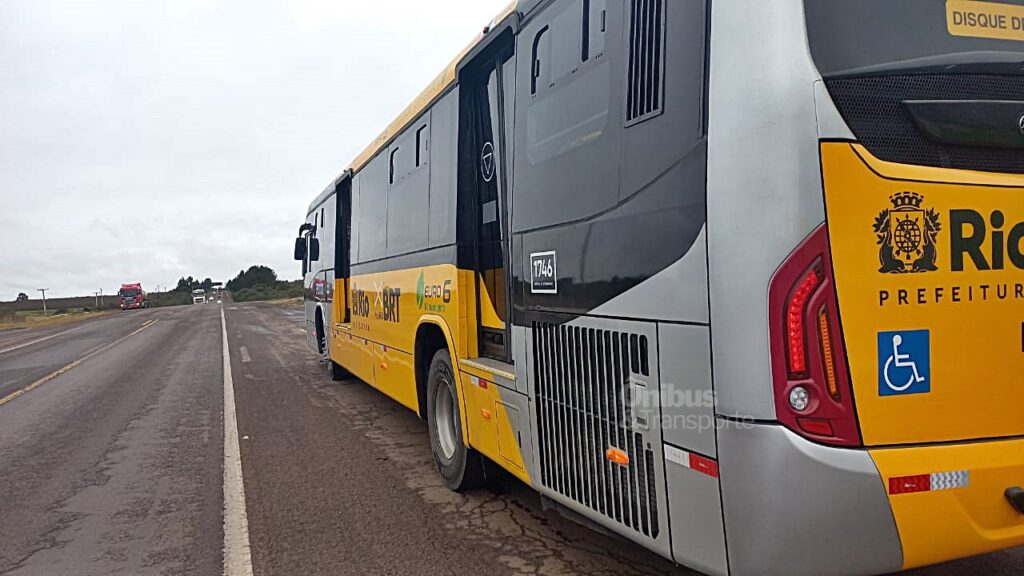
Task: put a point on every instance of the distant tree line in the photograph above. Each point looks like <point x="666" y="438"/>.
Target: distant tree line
<point x="261" y="283"/>
<point x="257" y="275"/>
<point x="189" y="284"/>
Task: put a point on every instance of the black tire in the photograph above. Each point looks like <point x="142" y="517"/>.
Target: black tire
<point x="336" y="372"/>
<point x="463" y="469"/>
<point x="321" y="333"/>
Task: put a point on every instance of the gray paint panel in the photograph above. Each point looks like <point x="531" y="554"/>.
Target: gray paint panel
<point x="443" y="147"/>
<point x="687" y="401"/>
<point x="372" y="209"/>
<point x="519" y="357"/>
<point x="695" y="509"/>
<point x="522" y="427"/>
<point x="830" y="122"/>
<point x="795" y="508"/>
<point x="764" y="185"/>
<point x="408" y="196"/>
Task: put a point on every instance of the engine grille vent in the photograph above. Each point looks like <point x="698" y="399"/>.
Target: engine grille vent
<point x="584" y="397"/>
<point x="645" y="83"/>
<point x="873" y="108"/>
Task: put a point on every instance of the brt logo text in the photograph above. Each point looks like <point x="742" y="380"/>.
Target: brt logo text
<point x="360" y="302"/>
<point x="387" y="300"/>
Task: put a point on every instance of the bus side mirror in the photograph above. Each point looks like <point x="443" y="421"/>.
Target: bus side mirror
<point x="300" y="248"/>
<point x="314" y="250"/>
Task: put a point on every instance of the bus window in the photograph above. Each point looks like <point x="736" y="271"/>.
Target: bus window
<point x="541" y="48"/>
<point x="566" y="38"/>
<point x="594" y="23"/>
<point x="421" y="146"/>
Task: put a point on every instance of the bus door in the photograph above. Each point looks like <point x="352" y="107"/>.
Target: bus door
<point x="486" y="88"/>
<point x="343" y="256"/>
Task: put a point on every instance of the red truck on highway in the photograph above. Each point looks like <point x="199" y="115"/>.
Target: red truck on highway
<point x="132" y="296"/>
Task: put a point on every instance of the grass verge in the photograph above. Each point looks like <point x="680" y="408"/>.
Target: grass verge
<point x="35" y="319"/>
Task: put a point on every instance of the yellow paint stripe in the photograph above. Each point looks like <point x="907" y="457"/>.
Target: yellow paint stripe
<point x="60" y="371"/>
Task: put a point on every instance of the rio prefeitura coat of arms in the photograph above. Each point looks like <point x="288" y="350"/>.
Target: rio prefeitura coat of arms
<point x="906" y="235"/>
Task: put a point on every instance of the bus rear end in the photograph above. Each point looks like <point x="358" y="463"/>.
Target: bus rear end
<point x="883" y="195"/>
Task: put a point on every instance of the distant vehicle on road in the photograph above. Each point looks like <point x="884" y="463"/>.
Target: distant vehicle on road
<point x="132" y="296"/>
<point x="753" y="305"/>
<point x="199" y="296"/>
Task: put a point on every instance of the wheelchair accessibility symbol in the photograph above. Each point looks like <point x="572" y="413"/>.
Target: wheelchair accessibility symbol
<point x="904" y="363"/>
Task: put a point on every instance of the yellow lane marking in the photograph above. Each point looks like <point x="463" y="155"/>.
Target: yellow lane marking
<point x="60" y="371"/>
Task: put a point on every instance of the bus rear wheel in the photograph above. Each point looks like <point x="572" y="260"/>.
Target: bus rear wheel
<point x="461" y="467"/>
<point x="336" y="371"/>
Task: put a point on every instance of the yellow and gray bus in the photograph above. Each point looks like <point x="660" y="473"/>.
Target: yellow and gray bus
<point x="741" y="281"/>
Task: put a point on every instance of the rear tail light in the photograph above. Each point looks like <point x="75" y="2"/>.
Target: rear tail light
<point x="808" y="352"/>
<point x="795" y="328"/>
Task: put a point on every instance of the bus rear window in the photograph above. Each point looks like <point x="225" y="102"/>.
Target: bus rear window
<point x="866" y="36"/>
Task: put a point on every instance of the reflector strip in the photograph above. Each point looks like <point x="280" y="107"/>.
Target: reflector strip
<point x="694" y="462"/>
<point x="950" y="480"/>
<point x="929" y="482"/>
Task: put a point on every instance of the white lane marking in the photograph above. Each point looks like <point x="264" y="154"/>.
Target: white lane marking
<point x="237" y="555"/>
<point x="60" y="371"/>
<point x="20" y="346"/>
<point x="245" y="354"/>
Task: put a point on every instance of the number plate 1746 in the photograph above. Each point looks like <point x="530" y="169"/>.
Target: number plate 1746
<point x="543" y="273"/>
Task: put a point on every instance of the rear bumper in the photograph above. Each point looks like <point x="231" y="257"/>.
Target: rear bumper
<point x="965" y="518"/>
<point x="795" y="507"/>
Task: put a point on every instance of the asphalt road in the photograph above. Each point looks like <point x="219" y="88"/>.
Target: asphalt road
<point x="113" y="463"/>
<point x="113" y="466"/>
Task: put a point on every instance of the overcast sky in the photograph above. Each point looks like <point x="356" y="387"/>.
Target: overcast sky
<point x="141" y="141"/>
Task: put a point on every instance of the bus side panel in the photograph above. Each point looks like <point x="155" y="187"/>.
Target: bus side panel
<point x="609" y="194"/>
<point x="319" y="279"/>
<point x="394" y="375"/>
<point x="496" y="419"/>
<point x="764" y="187"/>
<point x="574" y="426"/>
<point x="354" y="354"/>
<point x="688" y="428"/>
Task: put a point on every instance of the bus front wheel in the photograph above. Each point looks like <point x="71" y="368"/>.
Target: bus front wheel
<point x="461" y="467"/>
